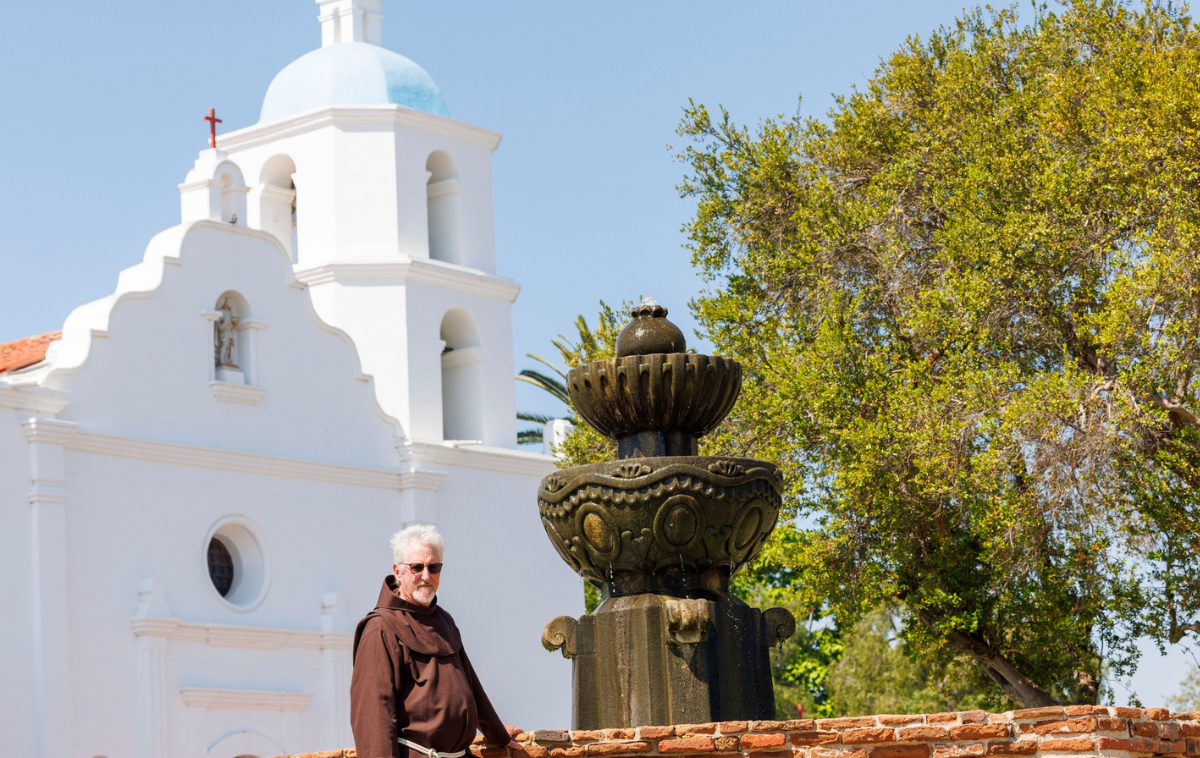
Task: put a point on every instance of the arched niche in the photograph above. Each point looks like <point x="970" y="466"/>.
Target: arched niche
<point x="441" y="192"/>
<point x="244" y="743"/>
<point x="273" y="202"/>
<point x="462" y="377"/>
<point x="234" y="340"/>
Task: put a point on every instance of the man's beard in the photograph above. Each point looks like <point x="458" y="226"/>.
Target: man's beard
<point x="423" y="594"/>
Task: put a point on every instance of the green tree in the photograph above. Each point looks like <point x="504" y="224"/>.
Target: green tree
<point x="967" y="308"/>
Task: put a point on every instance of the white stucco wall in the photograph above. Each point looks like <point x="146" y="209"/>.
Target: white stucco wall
<point x="152" y="458"/>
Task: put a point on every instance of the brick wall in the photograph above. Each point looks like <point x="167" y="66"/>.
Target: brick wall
<point x="1080" y="730"/>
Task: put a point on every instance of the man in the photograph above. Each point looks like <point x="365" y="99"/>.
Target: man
<point x="413" y="693"/>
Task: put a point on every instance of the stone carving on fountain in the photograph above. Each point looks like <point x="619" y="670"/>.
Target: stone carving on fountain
<point x="660" y="531"/>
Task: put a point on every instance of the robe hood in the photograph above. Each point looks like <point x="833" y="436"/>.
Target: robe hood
<point x="424" y="629"/>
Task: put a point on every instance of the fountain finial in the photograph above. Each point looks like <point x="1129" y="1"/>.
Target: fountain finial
<point x="650" y="332"/>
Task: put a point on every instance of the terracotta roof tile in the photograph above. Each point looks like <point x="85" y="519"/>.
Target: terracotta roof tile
<point x="25" y="352"/>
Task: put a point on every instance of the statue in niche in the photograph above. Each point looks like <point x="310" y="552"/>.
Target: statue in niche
<point x="225" y="335"/>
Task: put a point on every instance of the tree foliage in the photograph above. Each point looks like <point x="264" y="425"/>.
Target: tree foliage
<point x="967" y="308"/>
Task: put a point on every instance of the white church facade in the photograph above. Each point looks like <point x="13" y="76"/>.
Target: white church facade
<point x="198" y="480"/>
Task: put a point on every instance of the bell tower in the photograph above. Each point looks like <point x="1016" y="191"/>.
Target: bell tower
<point x="385" y="204"/>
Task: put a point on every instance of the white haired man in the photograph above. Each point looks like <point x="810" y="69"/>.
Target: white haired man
<point x="413" y="693"/>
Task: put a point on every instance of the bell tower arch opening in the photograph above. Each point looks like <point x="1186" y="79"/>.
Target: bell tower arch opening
<point x="441" y="192"/>
<point x="273" y="203"/>
<point x="462" y="377"/>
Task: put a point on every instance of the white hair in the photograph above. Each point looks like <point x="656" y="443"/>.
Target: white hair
<point x="416" y="534"/>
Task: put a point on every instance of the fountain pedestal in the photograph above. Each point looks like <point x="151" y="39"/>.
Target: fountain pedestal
<point x="656" y="659"/>
<point x="660" y="531"/>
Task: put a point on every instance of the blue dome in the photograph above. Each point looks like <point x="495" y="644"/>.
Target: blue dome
<point x="350" y="73"/>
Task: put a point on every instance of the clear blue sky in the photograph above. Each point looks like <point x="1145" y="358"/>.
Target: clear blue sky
<point x="102" y="106"/>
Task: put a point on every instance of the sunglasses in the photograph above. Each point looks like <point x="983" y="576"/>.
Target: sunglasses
<point x="416" y="568"/>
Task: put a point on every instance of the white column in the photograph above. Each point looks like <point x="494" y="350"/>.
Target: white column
<point x="51" y="631"/>
<point x="150" y="667"/>
<point x="337" y="663"/>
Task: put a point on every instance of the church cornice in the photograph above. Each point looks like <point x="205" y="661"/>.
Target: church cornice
<point x="417" y="461"/>
<point x="416" y="270"/>
<point x="229" y="635"/>
<point x="360" y="117"/>
<point x="478" y="457"/>
<point x="28" y="397"/>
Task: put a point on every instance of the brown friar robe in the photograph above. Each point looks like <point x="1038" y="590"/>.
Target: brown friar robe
<point x="412" y="679"/>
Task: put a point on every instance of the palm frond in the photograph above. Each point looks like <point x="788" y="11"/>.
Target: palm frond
<point x="554" y="386"/>
<point x="529" y="437"/>
<point x="536" y="418"/>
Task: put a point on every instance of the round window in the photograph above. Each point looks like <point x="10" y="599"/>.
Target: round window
<point x="237" y="563"/>
<point x="220" y="566"/>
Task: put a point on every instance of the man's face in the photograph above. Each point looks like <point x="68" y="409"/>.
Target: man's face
<point x="417" y="588"/>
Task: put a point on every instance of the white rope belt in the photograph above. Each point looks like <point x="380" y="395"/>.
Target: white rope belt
<point x="430" y="752"/>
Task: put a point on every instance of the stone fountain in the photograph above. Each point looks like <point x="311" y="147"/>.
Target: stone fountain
<point x="660" y="531"/>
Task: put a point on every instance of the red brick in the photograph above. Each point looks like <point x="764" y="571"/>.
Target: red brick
<point x="494" y="752"/>
<point x="868" y="736"/>
<point x="979" y="731"/>
<point x="974" y="717"/>
<point x="688" y="745"/>
<point x="708" y="728"/>
<point x="1072" y="726"/>
<point x="765" y="754"/>
<point x="973" y="750"/>
<point x="550" y="735"/>
<point x="535" y="751"/>
<point x="1134" y="745"/>
<point x="737" y="727"/>
<point x="789" y="726"/>
<point x="801" y="739"/>
<point x="618" y="748"/>
<point x="1189" y="729"/>
<point x="759" y="741"/>
<point x="567" y="752"/>
<point x="820" y="752"/>
<point x="592" y="735"/>
<point x="1048" y="712"/>
<point x="1170" y="731"/>
<point x="900" y="720"/>
<point x="620" y="734"/>
<point x="1073" y="745"/>
<point x="1021" y="747"/>
<point x="1112" y="725"/>
<point x="922" y="733"/>
<point x="1144" y="729"/>
<point x="845" y="723"/>
<point x="1172" y="746"/>
<point x="900" y="751"/>
<point x="1086" y="710"/>
<point x="940" y="718"/>
<point x="655" y="732"/>
<point x="1129" y="713"/>
<point x="726" y="744"/>
<point x="1158" y="714"/>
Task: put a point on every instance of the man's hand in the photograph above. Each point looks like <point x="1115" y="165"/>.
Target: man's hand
<point x="513" y="745"/>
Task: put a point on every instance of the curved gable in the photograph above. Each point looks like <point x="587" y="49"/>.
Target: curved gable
<point x="141" y="362"/>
